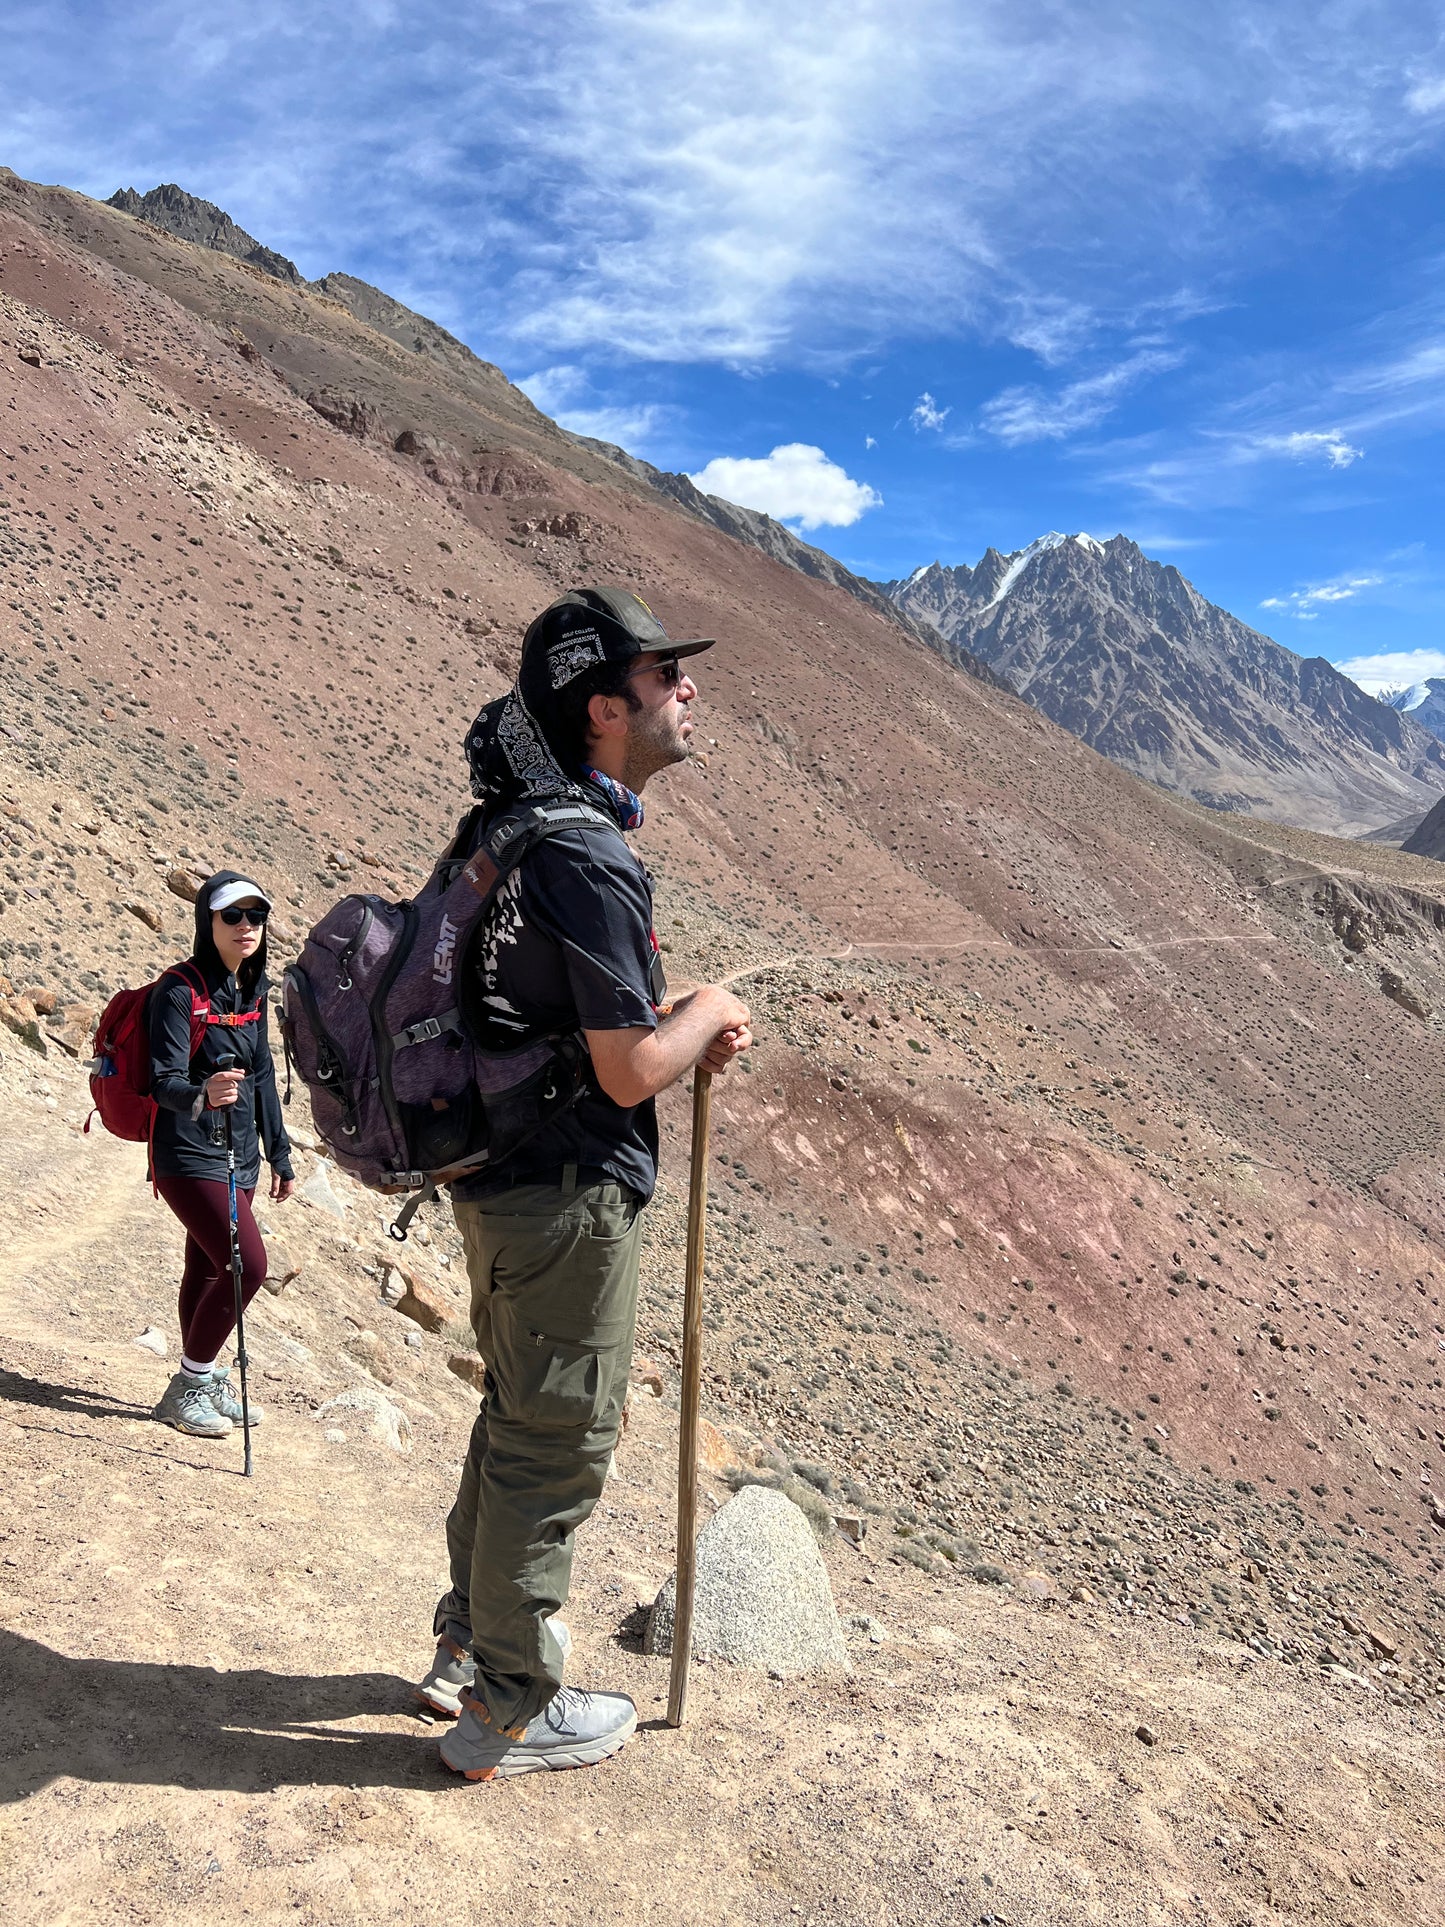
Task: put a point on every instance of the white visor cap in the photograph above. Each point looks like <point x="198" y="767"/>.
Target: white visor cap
<point x="237" y="892"/>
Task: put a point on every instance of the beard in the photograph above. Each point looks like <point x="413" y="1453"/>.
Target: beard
<point x="654" y="742"/>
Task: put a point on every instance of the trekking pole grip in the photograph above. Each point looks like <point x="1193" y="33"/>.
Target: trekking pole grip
<point x="691" y="1397"/>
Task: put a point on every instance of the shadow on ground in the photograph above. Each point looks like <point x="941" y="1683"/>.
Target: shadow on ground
<point x="17" y="1389"/>
<point x="123" y="1722"/>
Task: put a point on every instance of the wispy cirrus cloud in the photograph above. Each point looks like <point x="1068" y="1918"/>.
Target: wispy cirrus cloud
<point x="1030" y="414"/>
<point x="1306" y="604"/>
<point x="1310" y="444"/>
<point x="738" y="184"/>
<point x="566" y="393"/>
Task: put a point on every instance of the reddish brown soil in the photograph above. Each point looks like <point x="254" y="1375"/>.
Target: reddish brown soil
<point x="1082" y="1122"/>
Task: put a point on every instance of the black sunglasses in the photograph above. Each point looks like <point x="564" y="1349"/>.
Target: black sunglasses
<point x="669" y="670"/>
<point x="239" y="913"/>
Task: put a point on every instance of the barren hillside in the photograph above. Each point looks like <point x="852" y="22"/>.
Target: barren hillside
<point x="1081" y="1213"/>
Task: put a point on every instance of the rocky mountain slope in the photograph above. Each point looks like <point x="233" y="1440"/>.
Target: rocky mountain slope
<point x="182" y="214"/>
<point x="1079" y="1222"/>
<point x="1427" y="837"/>
<point x="1126" y="654"/>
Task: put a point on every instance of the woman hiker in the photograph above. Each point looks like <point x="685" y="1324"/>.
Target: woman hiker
<point x="223" y="985"/>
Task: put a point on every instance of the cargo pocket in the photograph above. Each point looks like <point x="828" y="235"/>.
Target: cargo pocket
<point x="563" y="1382"/>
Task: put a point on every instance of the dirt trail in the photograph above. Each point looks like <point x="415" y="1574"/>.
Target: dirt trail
<point x="207" y="1683"/>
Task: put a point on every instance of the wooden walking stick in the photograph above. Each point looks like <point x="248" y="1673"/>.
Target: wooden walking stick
<point x="691" y="1392"/>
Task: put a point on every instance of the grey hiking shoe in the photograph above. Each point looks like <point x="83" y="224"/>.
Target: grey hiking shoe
<point x="574" y="1729"/>
<point x="453" y="1672"/>
<point x="186" y="1404"/>
<point x="226" y="1402"/>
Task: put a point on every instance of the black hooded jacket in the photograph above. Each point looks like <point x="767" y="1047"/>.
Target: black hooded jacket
<point x="189" y="1140"/>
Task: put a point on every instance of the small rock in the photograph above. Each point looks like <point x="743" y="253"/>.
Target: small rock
<point x="335" y="1435"/>
<point x="281" y="1270"/>
<point x="44" y="1001"/>
<point x="876" y="1631"/>
<point x="763" y="1597"/>
<point x="303" y="1140"/>
<point x="412" y="1341"/>
<point x="1146" y="1734"/>
<point x="422" y="1305"/>
<point x="385" y="1422"/>
<point x="73" y="1029"/>
<point x="470" y="1369"/>
<point x="151" y="1340"/>
<point x="18" y="1015"/>
<point x="317" y="1191"/>
<point x="150" y="918"/>
<point x="714" y="1454"/>
<point x="181" y="884"/>
<point x="393" y="1286"/>
<point x="367" y="1349"/>
<point x="1039" y="1587"/>
<point x="852" y="1525"/>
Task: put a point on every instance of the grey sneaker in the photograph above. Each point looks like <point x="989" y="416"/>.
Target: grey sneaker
<point x="225" y="1401"/>
<point x="453" y="1672"/>
<point x="186" y="1404"/>
<point x="574" y="1729"/>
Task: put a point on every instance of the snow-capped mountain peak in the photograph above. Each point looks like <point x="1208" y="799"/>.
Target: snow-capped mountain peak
<point x="1021" y="558"/>
<point x="1411" y="697"/>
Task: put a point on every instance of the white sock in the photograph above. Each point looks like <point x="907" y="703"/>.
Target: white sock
<point x="193" y="1370"/>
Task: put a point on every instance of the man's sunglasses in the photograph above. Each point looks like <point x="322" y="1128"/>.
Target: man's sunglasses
<point x="669" y="671"/>
<point x="239" y="913"/>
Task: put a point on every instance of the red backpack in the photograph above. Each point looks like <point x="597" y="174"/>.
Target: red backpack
<point x="120" y="1073"/>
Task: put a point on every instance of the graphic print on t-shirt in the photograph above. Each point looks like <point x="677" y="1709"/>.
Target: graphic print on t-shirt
<point x="503" y="927"/>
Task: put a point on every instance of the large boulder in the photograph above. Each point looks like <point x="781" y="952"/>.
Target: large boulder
<point x="763" y="1597"/>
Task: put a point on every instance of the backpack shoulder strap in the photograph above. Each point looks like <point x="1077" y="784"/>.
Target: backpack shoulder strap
<point x="516" y="833"/>
<point x="189" y="973"/>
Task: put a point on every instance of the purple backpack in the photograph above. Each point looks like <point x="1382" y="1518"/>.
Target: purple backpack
<point x="372" y="1022"/>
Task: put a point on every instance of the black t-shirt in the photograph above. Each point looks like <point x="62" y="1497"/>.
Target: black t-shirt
<point x="568" y="945"/>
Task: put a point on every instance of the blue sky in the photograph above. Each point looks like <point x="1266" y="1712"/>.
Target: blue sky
<point x="919" y="277"/>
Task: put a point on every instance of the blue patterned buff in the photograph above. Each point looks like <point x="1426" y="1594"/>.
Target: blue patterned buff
<point x="627" y="805"/>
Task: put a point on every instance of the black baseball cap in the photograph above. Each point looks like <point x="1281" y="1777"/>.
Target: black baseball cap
<point x="586" y="627"/>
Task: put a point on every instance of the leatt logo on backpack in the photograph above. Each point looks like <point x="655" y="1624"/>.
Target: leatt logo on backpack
<point x="441" y="962"/>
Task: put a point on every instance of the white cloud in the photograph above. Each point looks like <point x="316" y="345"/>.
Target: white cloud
<point x="868" y="442"/>
<point x="1307" y="603"/>
<point x="1305" y="444"/>
<point x="555" y="388"/>
<point x="565" y="393"/>
<point x="736" y="182"/>
<point x="926" y="413"/>
<point x="1395" y="669"/>
<point x="1031" y="414"/>
<point x="796" y="483"/>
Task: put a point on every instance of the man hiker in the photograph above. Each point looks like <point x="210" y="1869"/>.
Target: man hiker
<point x="552" y="1235"/>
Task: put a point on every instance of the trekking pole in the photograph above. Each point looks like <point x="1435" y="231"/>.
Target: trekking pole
<point x="228" y="1064"/>
<point x="691" y="1392"/>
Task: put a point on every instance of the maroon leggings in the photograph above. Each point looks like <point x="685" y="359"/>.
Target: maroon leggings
<point x="208" y="1296"/>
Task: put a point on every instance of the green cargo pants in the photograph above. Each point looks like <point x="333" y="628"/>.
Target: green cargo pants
<point x="553" y="1273"/>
